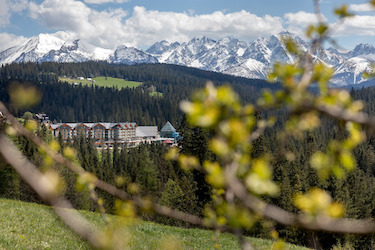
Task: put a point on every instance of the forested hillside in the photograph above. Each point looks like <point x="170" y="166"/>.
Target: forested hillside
<point x="67" y="103"/>
<point x="144" y="169"/>
<point x="294" y="174"/>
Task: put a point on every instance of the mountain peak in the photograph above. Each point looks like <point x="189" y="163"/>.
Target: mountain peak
<point x="47" y="42"/>
<point x="130" y="55"/>
<point x="45" y="36"/>
<point x="363" y="49"/>
<point x="227" y="55"/>
<point x="286" y="33"/>
<point x="201" y="40"/>
<point x="158" y="47"/>
<point x="228" y="39"/>
<point x="121" y="47"/>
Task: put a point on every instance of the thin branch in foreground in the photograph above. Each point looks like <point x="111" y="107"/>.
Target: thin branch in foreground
<point x="339" y="113"/>
<point x="110" y="189"/>
<point x="45" y="190"/>
<point x="319" y="223"/>
<point x="99" y="203"/>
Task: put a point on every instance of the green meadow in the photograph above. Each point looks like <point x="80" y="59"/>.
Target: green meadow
<point x="33" y="226"/>
<point x="104" y="82"/>
<point x="109" y="82"/>
<point x="156" y="94"/>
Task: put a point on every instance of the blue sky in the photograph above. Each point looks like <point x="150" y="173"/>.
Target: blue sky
<point x="140" y="23"/>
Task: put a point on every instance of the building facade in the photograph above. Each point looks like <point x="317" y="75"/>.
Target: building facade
<point x="101" y="132"/>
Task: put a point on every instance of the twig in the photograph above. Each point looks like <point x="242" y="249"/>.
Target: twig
<point x="320" y="223"/>
<point x="96" y="199"/>
<point x="245" y="244"/>
<point x="318" y="13"/>
<point x="340" y="113"/>
<point x="162" y="210"/>
<point x="45" y="190"/>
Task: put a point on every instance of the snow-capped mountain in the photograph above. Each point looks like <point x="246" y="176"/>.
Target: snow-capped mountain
<point x="76" y="51"/>
<point x="128" y="55"/>
<point x="46" y="47"/>
<point x="228" y="55"/>
<point x="163" y="48"/>
<point x="32" y="50"/>
<point x="353" y="64"/>
<point x="255" y="59"/>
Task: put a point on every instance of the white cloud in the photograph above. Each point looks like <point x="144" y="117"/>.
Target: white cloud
<point x="359" y="25"/>
<point x="8" y="7"/>
<point x="365" y="7"/>
<point x="105" y="1"/>
<point x="150" y="26"/>
<point x="141" y="27"/>
<point x="4" y="13"/>
<point x="356" y="26"/>
<point x="110" y="28"/>
<point x="65" y="35"/>
<point x="300" y="18"/>
<point x="10" y="40"/>
<point x="17" y="5"/>
<point x="100" y="28"/>
<point x="299" y="21"/>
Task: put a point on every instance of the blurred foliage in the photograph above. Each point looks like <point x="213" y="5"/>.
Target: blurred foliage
<point x="307" y="97"/>
<point x="23" y="95"/>
<point x="237" y="165"/>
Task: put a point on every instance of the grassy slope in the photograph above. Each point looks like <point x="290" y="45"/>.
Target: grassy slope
<point x="110" y="83"/>
<point x="32" y="226"/>
<point x="156" y="94"/>
<point x="103" y="82"/>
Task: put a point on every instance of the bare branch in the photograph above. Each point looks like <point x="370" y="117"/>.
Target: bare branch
<point x="245" y="244"/>
<point x="340" y="113"/>
<point x="319" y="223"/>
<point x="258" y="132"/>
<point x="99" y="203"/>
<point x="192" y="219"/>
<point x="45" y="190"/>
<point x="318" y="13"/>
<point x="39" y="142"/>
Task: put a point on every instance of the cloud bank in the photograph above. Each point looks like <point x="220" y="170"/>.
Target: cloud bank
<point x="149" y="26"/>
<point x="105" y="1"/>
<point x="140" y="27"/>
<point x="365" y="7"/>
<point x="357" y="25"/>
<point x="8" y="8"/>
<point x="101" y="28"/>
<point x="9" y="40"/>
<point x="144" y="27"/>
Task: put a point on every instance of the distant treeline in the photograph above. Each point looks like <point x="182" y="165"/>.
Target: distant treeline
<point x="67" y="103"/>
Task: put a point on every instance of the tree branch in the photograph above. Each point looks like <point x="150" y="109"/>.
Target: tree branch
<point x="341" y="114"/>
<point x="319" y="223"/>
<point x="45" y="190"/>
<point x="162" y="210"/>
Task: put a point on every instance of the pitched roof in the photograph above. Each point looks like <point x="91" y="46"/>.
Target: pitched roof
<point x="107" y="125"/>
<point x="168" y="128"/>
<point x="54" y="126"/>
<point x="146" y="131"/>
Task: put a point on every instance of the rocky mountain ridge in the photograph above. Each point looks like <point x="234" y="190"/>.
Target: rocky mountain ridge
<point x="228" y="55"/>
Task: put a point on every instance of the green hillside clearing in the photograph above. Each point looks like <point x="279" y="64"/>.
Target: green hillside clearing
<point x="33" y="226"/>
<point x="103" y="82"/>
<point x="156" y="94"/>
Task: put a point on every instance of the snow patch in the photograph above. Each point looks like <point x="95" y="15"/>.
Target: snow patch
<point x="240" y="51"/>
